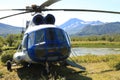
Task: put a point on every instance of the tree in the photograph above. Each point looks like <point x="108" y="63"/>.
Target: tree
<point x="10" y="39"/>
<point x="2" y="42"/>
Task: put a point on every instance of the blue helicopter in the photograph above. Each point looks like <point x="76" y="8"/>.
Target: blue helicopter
<point x="44" y="42"/>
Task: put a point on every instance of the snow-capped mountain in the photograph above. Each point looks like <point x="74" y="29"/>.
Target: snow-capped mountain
<point x="75" y="25"/>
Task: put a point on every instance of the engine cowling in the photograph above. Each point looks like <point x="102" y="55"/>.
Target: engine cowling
<point x="49" y="19"/>
<point x="38" y="19"/>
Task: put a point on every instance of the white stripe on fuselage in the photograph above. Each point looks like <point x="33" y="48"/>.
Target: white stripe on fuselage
<point x="38" y="27"/>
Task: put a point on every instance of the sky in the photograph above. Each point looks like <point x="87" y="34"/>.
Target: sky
<point x="62" y="17"/>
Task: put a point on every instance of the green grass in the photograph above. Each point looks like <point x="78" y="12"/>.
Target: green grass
<point x="97" y="44"/>
<point x="90" y="58"/>
<point x="112" y="60"/>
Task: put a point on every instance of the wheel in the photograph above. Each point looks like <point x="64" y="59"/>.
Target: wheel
<point x="9" y="65"/>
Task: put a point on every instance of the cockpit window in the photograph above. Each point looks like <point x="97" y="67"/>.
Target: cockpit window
<point x="50" y="34"/>
<point x="60" y="35"/>
<point x="40" y="36"/>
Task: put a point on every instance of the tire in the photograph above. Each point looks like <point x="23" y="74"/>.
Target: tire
<point x="9" y="65"/>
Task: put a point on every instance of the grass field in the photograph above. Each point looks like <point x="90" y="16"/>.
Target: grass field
<point x="105" y="67"/>
<point x="97" y="44"/>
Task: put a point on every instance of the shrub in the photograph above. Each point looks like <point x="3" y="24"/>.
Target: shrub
<point x="7" y="48"/>
<point x="16" y="44"/>
<point x="7" y="55"/>
<point x="1" y="74"/>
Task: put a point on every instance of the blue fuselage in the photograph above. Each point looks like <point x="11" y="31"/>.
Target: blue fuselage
<point x="47" y="44"/>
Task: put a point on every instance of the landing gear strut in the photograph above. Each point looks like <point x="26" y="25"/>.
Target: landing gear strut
<point x="47" y="68"/>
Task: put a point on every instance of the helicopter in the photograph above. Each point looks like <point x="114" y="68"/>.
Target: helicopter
<point x="43" y="42"/>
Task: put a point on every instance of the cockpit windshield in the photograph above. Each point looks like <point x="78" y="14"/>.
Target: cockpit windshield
<point x="49" y="34"/>
<point x="52" y="42"/>
<point x="40" y="36"/>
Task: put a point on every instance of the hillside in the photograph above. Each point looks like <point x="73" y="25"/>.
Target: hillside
<point x="107" y="28"/>
<point x="79" y="27"/>
<point x="74" y="25"/>
<point x="8" y="29"/>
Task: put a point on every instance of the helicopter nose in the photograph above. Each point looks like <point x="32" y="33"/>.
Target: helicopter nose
<point x="46" y="52"/>
<point x="51" y="52"/>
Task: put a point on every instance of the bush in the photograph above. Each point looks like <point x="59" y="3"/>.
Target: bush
<point x="7" y="55"/>
<point x="1" y="74"/>
<point x="17" y="44"/>
<point x="1" y="47"/>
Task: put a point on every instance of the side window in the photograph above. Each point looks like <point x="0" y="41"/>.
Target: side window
<point x="68" y="38"/>
<point x="31" y="40"/>
<point x="24" y="42"/>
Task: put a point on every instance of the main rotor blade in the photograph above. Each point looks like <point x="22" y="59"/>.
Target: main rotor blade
<point x="48" y="3"/>
<point x="12" y="9"/>
<point x="13" y="15"/>
<point x="83" y="10"/>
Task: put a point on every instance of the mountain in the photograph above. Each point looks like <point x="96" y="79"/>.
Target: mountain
<point x="8" y="29"/>
<point x="107" y="28"/>
<point x="75" y="25"/>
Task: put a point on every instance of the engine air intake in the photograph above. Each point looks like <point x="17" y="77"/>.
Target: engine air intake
<point x="49" y="19"/>
<point x="38" y="19"/>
